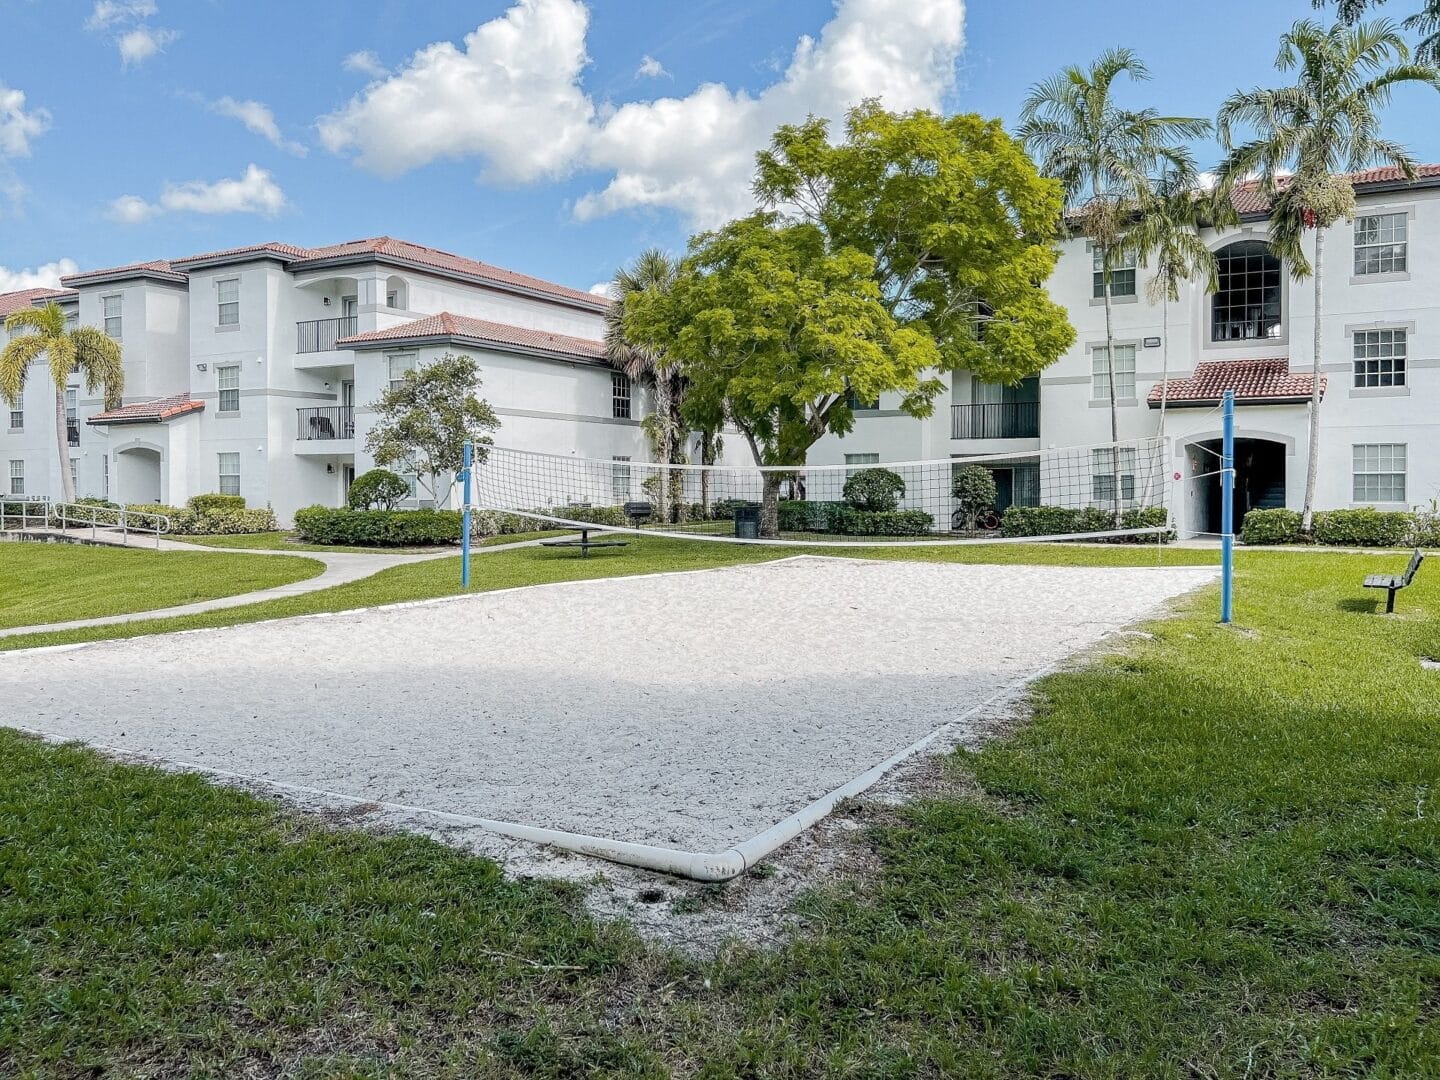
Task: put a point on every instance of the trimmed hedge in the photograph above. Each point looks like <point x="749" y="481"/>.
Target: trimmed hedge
<point x="205" y="504"/>
<point x="1059" y="520"/>
<point x="805" y="515"/>
<point x="377" y="528"/>
<point x="185" y="521"/>
<point x="1362" y="527"/>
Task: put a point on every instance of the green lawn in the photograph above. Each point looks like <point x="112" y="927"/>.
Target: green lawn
<point x="1215" y="853"/>
<point x="288" y="541"/>
<point x="44" y="583"/>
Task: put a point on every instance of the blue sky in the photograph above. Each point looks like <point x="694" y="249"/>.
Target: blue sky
<point x="558" y="138"/>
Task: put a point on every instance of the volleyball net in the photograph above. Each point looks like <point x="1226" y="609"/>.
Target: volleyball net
<point x="1108" y="491"/>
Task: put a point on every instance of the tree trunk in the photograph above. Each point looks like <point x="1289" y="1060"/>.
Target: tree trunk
<point x="62" y="447"/>
<point x="707" y="457"/>
<point x="1312" y="471"/>
<point x="1164" y="361"/>
<point x="1110" y="370"/>
<point x="770" y="507"/>
<point x="662" y="415"/>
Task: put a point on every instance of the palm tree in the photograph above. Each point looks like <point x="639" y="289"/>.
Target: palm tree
<point x="1304" y="137"/>
<point x="1167" y="231"/>
<point x="652" y="270"/>
<point x="1426" y="22"/>
<point x="91" y="352"/>
<point x="1105" y="157"/>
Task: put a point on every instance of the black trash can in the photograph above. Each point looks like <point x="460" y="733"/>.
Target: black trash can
<point x="747" y="521"/>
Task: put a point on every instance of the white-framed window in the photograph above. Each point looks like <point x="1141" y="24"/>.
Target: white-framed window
<point x="1124" y="373"/>
<point x="620" y="478"/>
<point x="399" y="364"/>
<point x="1122" y="274"/>
<point x="72" y="421"/>
<point x="17" y="419"/>
<point x="1380" y="357"/>
<point x="1102" y="475"/>
<point x="105" y="476"/>
<point x="855" y="462"/>
<point x="1379" y="472"/>
<point x="74" y="474"/>
<point x="114" y="315"/>
<point x="229" y="473"/>
<point x="17" y="476"/>
<point x="392" y="299"/>
<point x="619" y="395"/>
<point x="227" y="379"/>
<point x="227" y="297"/>
<point x="1382" y="244"/>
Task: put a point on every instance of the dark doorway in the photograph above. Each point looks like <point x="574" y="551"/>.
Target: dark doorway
<point x="1259" y="480"/>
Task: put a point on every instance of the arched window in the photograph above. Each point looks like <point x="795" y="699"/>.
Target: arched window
<point x="1247" y="301"/>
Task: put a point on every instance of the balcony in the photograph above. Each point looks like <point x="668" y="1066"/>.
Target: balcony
<point x="1000" y="420"/>
<point x="327" y="424"/>
<point x="320" y="335"/>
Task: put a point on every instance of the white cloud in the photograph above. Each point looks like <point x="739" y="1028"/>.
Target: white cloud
<point x="140" y="44"/>
<point x="257" y="117"/>
<point x="511" y="97"/>
<point x="42" y="277"/>
<point x="650" y="68"/>
<point x="696" y="154"/>
<point x="254" y="193"/>
<point x="17" y="126"/>
<point x="600" y="288"/>
<point x="365" y="62"/>
<point x="107" y="13"/>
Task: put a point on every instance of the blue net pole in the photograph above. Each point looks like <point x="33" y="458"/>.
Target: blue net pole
<point x="1227" y="511"/>
<point x="465" y="516"/>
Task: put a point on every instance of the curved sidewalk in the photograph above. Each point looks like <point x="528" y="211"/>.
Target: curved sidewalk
<point x="341" y="568"/>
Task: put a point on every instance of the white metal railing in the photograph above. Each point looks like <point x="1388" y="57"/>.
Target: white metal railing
<point x="38" y="512"/>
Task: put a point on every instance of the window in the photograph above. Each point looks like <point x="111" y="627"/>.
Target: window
<point x="17" y="419"/>
<point x="74" y="474"/>
<point x="17" y="477"/>
<point x="1102" y="475"/>
<point x="1247" y="299"/>
<point x="1122" y="275"/>
<point x="1381" y="244"/>
<point x="1124" y="374"/>
<point x="227" y="292"/>
<point x="392" y="299"/>
<point x="400" y="363"/>
<point x="229" y="474"/>
<point x="1379" y="472"/>
<point x="857" y="405"/>
<point x="114" y="323"/>
<point x="72" y="424"/>
<point x="1380" y="357"/>
<point x="105" y="476"/>
<point x="619" y="395"/>
<point x="228" y="380"/>
<point x="620" y="479"/>
<point x="855" y="462"/>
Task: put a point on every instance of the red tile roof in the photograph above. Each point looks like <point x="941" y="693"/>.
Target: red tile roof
<point x="25" y="298"/>
<point x="1246" y="197"/>
<point x="1255" y="382"/>
<point x="154" y="268"/>
<point x="149" y="412"/>
<point x="481" y="331"/>
<point x="270" y="247"/>
<point x="447" y="263"/>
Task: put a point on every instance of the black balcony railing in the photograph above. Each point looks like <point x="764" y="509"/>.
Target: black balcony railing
<point x="330" y="422"/>
<point x="72" y="432"/>
<point x="318" y="335"/>
<point x="1000" y="420"/>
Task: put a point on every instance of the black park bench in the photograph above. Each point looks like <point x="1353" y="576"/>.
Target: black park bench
<point x="1393" y="583"/>
<point x="584" y="543"/>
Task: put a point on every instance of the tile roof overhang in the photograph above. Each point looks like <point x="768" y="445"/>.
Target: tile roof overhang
<point x="155" y="270"/>
<point x="21" y="299"/>
<point x="447" y="328"/>
<point x="149" y="412"/>
<point x="1255" y="382"/>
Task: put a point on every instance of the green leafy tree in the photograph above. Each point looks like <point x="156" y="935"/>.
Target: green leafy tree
<point x="919" y="245"/>
<point x="377" y="488"/>
<point x="424" y="423"/>
<point x="975" y="492"/>
<point x="1425" y="22"/>
<point x="876" y="490"/>
<point x="1302" y="139"/>
<point x="1106" y="157"/>
<point x="91" y="352"/>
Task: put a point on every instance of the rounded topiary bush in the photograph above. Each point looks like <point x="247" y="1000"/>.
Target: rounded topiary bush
<point x="378" y="489"/>
<point x="876" y="490"/>
<point x="974" y="489"/>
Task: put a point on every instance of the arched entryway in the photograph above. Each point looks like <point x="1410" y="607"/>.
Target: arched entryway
<point x="139" y="476"/>
<point x="1259" y="480"/>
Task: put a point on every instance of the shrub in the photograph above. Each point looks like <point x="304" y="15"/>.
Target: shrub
<point x="1364" y="528"/>
<point x="377" y="489"/>
<point x="1059" y="520"/>
<point x="874" y="489"/>
<point x="1425" y="532"/>
<point x="798" y="515"/>
<point x="203" y="504"/>
<point x="186" y="521"/>
<point x="594" y="515"/>
<point x="974" y="489"/>
<point x="1278" y="526"/>
<point x="377" y="528"/>
<point x="723" y="509"/>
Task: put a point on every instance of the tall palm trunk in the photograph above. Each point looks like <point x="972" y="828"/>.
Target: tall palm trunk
<point x="1110" y="375"/>
<point x="665" y="441"/>
<point x="1312" y="471"/>
<point x="707" y="457"/>
<point x="62" y="447"/>
<point x="1164" y="360"/>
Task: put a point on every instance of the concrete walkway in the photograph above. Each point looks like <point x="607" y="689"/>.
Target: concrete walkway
<point x="340" y="569"/>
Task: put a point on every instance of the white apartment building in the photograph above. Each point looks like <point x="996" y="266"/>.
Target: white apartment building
<point x="250" y="371"/>
<point x="1379" y="418"/>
